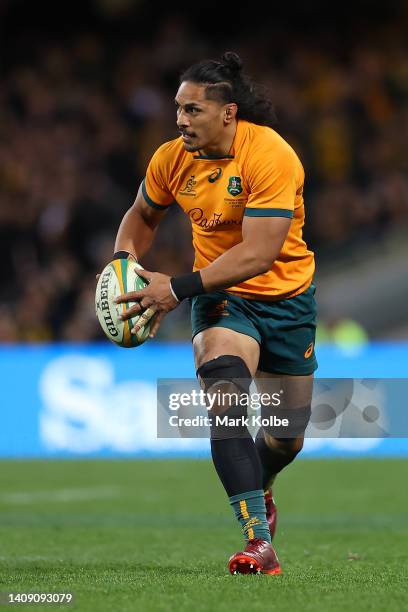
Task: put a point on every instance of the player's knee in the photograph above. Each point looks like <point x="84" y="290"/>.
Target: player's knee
<point x="222" y="395"/>
<point x="287" y="441"/>
<point x="228" y="371"/>
<point x="225" y="380"/>
<point x="285" y="423"/>
<point x="288" y="447"/>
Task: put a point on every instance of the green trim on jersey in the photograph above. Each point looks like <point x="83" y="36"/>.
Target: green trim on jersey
<point x="268" y="212"/>
<point x="150" y="202"/>
<point x="213" y="156"/>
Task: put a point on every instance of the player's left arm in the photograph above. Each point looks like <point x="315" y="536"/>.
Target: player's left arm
<point x="262" y="241"/>
<point x="267" y="218"/>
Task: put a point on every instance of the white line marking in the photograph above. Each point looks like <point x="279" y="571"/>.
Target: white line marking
<point x="59" y="495"/>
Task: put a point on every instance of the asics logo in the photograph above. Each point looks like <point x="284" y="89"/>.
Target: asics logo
<point x="215" y="175"/>
<point x="309" y="351"/>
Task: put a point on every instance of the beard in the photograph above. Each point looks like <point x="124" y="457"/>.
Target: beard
<point x="191" y="148"/>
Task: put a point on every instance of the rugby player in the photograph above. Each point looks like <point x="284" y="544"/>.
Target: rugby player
<point x="251" y="290"/>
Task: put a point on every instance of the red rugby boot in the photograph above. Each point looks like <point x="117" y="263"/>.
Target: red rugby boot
<point x="271" y="512"/>
<point x="257" y="558"/>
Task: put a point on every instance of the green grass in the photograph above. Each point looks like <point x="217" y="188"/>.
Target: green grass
<point x="156" y="535"/>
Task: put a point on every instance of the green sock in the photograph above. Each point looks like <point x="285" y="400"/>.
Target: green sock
<point x="250" y="510"/>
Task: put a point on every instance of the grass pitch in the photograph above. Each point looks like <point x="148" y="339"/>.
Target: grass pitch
<point x="156" y="535"/>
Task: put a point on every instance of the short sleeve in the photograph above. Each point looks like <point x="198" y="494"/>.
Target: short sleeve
<point x="273" y="180"/>
<point x="154" y="186"/>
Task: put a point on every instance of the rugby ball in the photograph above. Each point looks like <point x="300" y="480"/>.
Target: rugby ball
<point x="119" y="276"/>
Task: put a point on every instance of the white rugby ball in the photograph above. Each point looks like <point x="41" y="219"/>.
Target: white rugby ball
<point x="119" y="276"/>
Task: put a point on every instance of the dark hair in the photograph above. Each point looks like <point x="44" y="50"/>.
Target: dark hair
<point x="225" y="82"/>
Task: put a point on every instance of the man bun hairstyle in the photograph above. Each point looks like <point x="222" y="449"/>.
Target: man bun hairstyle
<point x="225" y="82"/>
<point x="233" y="61"/>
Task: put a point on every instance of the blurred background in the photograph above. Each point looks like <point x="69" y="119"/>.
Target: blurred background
<point x="86" y="97"/>
<point x="91" y="501"/>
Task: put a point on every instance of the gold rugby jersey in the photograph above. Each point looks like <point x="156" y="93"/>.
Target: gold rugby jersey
<point x="261" y="177"/>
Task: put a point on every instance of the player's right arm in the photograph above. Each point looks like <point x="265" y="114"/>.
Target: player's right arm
<point x="138" y="227"/>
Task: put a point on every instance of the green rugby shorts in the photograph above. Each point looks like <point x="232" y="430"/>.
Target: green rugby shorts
<point x="285" y="329"/>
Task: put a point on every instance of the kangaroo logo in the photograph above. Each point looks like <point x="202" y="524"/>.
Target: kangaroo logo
<point x="188" y="189"/>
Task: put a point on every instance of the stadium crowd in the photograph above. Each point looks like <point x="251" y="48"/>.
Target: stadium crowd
<point x="80" y="118"/>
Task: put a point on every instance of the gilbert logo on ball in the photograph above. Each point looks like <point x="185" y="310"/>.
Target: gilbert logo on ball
<point x="119" y="276"/>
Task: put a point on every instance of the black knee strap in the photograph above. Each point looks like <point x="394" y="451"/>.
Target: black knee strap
<point x="226" y="367"/>
<point x="232" y="369"/>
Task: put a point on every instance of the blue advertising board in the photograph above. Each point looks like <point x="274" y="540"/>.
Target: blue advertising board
<point x="98" y="400"/>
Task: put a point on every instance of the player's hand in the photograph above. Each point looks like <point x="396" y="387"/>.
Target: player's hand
<point x="156" y="300"/>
